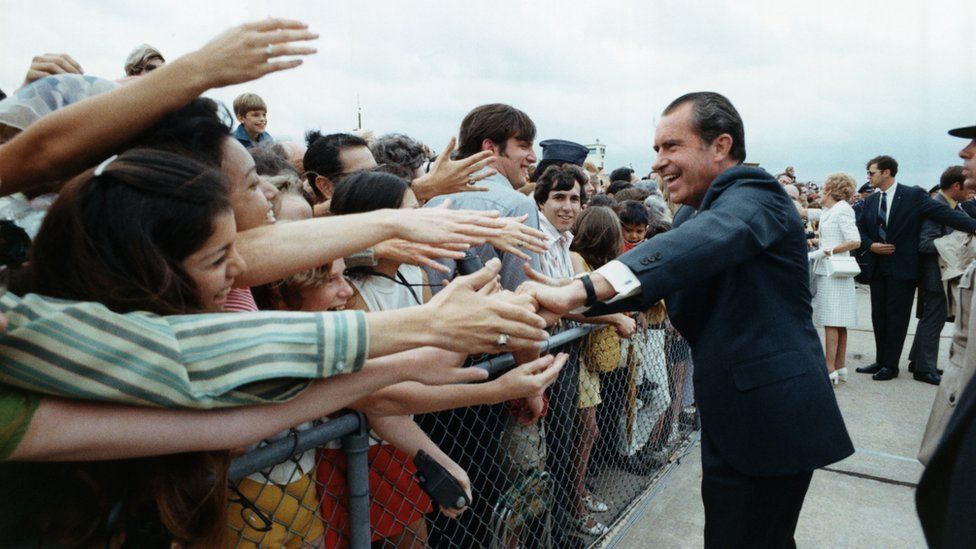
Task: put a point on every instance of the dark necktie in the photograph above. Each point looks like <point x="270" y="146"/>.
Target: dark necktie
<point x="882" y="214"/>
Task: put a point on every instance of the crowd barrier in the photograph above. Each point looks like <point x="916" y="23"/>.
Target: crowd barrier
<point x="605" y="436"/>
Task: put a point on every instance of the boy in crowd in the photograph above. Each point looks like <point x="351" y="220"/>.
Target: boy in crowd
<point x="634" y="220"/>
<point x="252" y="113"/>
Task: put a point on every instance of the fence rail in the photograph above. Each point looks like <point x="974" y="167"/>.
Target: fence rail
<point x="561" y="482"/>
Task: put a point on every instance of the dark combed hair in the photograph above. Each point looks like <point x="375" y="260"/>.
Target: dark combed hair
<point x="496" y="122"/>
<point x="632" y="212"/>
<point x="198" y="130"/>
<point x="884" y="162"/>
<point x="597" y="236"/>
<point x="322" y="156"/>
<point x="399" y="154"/>
<point x="951" y="176"/>
<point x="119" y="238"/>
<point x="622" y="173"/>
<point x="367" y="191"/>
<point x="559" y="178"/>
<point x="713" y="115"/>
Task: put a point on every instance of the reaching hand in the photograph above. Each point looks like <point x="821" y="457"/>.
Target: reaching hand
<point x="435" y="366"/>
<point x="553" y="297"/>
<point x="245" y="52"/>
<point x="519" y="235"/>
<point x="443" y="226"/>
<point x="468" y="321"/>
<point x="51" y="63"/>
<point x="448" y="176"/>
<point x="882" y="249"/>
<point x="422" y="255"/>
<point x="532" y="378"/>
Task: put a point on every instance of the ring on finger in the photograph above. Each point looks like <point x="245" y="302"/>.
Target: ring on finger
<point x="502" y="340"/>
<point x="471" y="180"/>
<point x="269" y="51"/>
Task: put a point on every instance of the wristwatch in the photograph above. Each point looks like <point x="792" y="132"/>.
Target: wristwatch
<point x="590" y="290"/>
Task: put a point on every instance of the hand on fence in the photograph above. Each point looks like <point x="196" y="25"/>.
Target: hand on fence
<point x="449" y="176"/>
<point x="468" y="321"/>
<point x="532" y="378"/>
<point x="519" y="235"/>
<point x="624" y="325"/>
<point x="461" y="476"/>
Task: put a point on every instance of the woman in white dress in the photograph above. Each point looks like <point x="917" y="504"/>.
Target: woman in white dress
<point x="835" y="304"/>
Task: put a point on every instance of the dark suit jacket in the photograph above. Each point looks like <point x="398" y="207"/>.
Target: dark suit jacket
<point x="929" y="274"/>
<point x="946" y="494"/>
<point x="734" y="277"/>
<point x="905" y="213"/>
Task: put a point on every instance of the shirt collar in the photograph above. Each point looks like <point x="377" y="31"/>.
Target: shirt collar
<point x="952" y="203"/>
<point x="554" y="235"/>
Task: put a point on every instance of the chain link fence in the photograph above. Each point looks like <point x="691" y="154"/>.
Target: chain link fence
<point x="618" y="412"/>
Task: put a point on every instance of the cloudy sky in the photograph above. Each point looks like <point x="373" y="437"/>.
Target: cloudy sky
<point x="822" y="86"/>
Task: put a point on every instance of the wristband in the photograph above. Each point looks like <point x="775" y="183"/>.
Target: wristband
<point x="590" y="290"/>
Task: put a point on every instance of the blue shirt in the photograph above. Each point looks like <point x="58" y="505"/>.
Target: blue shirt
<point x="510" y="203"/>
<point x="241" y="135"/>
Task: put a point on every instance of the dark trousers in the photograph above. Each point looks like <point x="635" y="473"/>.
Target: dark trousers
<point x="891" y="310"/>
<point x="745" y="511"/>
<point x="925" y="347"/>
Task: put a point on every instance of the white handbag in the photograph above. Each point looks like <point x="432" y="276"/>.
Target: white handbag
<point x="840" y="267"/>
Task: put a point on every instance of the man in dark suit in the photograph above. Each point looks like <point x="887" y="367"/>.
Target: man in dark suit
<point x="890" y="225"/>
<point x="732" y="272"/>
<point x="932" y="310"/>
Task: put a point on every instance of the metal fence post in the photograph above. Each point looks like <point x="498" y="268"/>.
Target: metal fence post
<point x="356" y="446"/>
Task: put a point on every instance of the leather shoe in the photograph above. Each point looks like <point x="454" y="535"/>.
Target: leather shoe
<point x="911" y="368"/>
<point x="928" y="377"/>
<point x="885" y="374"/>
<point x="870" y="369"/>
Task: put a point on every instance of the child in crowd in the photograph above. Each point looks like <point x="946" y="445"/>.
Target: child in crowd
<point x="634" y="220"/>
<point x="252" y="113"/>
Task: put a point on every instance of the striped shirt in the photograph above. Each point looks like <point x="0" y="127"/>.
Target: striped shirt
<point x="83" y="350"/>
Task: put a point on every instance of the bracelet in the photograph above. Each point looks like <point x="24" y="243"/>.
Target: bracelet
<point x="590" y="290"/>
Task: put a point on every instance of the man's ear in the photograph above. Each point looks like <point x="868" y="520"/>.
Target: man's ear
<point x="240" y="118"/>
<point x="722" y="145"/>
<point x="324" y="185"/>
<point x="489" y="145"/>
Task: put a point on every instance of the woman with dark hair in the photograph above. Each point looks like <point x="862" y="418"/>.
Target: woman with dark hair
<point x="146" y="231"/>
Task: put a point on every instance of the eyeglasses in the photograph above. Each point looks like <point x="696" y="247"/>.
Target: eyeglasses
<point x="872" y="174"/>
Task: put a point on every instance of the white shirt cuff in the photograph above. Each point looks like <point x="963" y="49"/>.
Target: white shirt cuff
<point x="621" y="278"/>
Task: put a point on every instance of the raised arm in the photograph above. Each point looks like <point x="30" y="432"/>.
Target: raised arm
<point x="81" y="135"/>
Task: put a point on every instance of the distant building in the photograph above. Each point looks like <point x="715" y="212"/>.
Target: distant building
<point x="598" y="152"/>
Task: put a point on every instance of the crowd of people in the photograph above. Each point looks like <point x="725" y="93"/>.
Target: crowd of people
<point x="361" y="272"/>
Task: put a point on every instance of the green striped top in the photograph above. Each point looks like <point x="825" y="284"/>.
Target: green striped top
<point x="83" y="350"/>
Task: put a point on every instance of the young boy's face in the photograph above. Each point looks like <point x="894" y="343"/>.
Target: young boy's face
<point x="254" y="121"/>
<point x="634" y="233"/>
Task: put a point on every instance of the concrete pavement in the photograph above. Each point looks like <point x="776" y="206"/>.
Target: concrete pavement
<point x="866" y="500"/>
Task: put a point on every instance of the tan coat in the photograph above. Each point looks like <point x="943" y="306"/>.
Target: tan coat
<point x="962" y="365"/>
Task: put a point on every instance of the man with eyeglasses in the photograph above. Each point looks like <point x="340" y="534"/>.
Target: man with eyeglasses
<point x="890" y="225"/>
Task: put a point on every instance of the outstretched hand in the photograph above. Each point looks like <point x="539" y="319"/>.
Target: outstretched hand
<point x="245" y="52"/>
<point x="519" y="235"/>
<point x="553" y="297"/>
<point x="449" y="176"/>
<point x="467" y="320"/>
<point x="49" y="64"/>
<point x="443" y="226"/>
<point x="421" y="255"/>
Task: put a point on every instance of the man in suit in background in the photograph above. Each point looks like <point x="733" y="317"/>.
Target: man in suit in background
<point x="932" y="310"/>
<point x="890" y="225"/>
<point x="730" y="272"/>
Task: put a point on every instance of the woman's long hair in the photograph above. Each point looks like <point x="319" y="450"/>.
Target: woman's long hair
<point x="118" y="235"/>
<point x="597" y="236"/>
